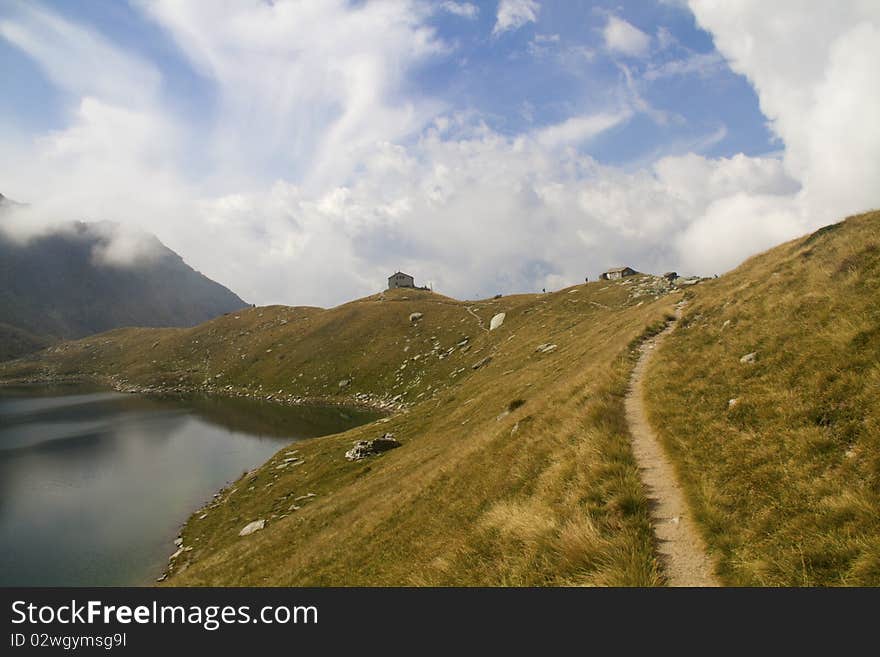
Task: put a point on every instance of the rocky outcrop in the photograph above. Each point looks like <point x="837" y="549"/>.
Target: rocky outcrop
<point x="365" y="448"/>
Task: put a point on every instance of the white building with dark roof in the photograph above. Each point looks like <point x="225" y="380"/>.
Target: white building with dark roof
<point x="399" y="279"/>
<point x="618" y="272"/>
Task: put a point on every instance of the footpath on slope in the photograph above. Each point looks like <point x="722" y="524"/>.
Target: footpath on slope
<point x="682" y="550"/>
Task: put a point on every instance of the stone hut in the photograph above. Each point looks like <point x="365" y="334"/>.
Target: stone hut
<point x="399" y="279"/>
<point x="617" y="273"/>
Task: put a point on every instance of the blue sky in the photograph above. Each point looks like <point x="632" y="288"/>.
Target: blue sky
<point x="490" y="146"/>
<point x="523" y="78"/>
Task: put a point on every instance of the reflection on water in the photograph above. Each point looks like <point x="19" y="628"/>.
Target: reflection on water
<point x="94" y="485"/>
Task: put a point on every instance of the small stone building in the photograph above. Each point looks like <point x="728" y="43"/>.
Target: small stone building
<point x="399" y="279"/>
<point x="617" y="272"/>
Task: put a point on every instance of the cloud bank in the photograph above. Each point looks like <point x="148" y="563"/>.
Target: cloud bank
<point x="324" y="172"/>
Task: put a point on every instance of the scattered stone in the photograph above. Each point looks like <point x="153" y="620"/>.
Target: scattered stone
<point x="252" y="527"/>
<point x="546" y="348"/>
<point x="482" y="362"/>
<point x="497" y="321"/>
<point x="749" y="358"/>
<point x="203" y="516"/>
<point x="366" y="448"/>
<point x="344" y="383"/>
<point x="725" y="324"/>
<point x="732" y="403"/>
<point x="178" y="541"/>
<point x="307" y="496"/>
<point x="414" y="317"/>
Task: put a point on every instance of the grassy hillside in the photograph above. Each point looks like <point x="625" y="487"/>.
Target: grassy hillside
<point x="15" y="342"/>
<point x="515" y="466"/>
<point x="781" y="456"/>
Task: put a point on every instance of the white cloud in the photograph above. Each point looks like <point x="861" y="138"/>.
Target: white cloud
<point x="436" y="192"/>
<point x="634" y="98"/>
<point x="78" y="59"/>
<point x="815" y="73"/>
<point x="480" y="213"/>
<point x="569" y="56"/>
<point x="461" y="9"/>
<point x="299" y="82"/>
<point x="700" y="64"/>
<point x="624" y="38"/>
<point x="513" y="14"/>
<point x="578" y="129"/>
<point x="734" y="226"/>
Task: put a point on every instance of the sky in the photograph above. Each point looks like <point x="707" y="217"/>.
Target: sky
<point x="301" y="151"/>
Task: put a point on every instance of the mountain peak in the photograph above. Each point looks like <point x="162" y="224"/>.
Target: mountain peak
<point x="88" y="278"/>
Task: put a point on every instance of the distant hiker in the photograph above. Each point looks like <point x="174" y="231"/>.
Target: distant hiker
<point x="544" y="290"/>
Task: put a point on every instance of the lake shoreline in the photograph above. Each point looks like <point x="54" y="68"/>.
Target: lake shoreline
<point x="363" y="401"/>
<point x="182" y="393"/>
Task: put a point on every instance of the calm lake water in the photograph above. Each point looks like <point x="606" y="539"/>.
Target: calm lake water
<point x="95" y="485"/>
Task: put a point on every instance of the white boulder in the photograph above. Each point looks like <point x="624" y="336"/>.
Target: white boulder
<point x="252" y="527"/>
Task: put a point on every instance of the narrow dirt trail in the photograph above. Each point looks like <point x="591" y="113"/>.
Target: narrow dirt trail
<point x="477" y="317"/>
<point x="681" y="548"/>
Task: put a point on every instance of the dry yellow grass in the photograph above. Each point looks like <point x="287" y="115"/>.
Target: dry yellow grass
<point x="516" y="473"/>
<point x="785" y="479"/>
<point x="520" y="472"/>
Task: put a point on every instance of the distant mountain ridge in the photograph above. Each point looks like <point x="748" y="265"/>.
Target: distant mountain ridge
<point x="57" y="286"/>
